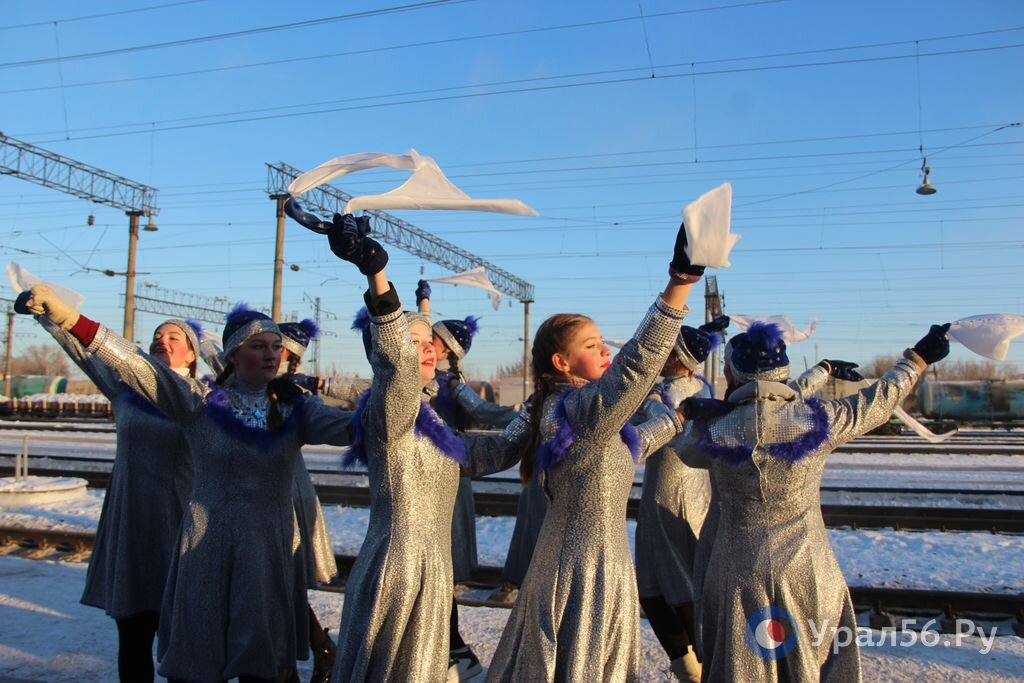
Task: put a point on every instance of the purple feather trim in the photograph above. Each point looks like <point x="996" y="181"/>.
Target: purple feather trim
<point x="666" y="398"/>
<point x="810" y="441"/>
<point x="631" y="437"/>
<point x="310" y="328"/>
<point x="357" y="449"/>
<point x="715" y="340"/>
<point x="733" y="455"/>
<point x="197" y="327"/>
<point x="134" y="399"/>
<point x="552" y="452"/>
<point x="362" y="320"/>
<point x="428" y="424"/>
<point x="240" y="307"/>
<point x="471" y="324"/>
<point x="219" y="410"/>
<point x="764" y="335"/>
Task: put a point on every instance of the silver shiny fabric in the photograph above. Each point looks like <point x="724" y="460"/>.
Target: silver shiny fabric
<point x="394" y="625"/>
<point x="483" y="412"/>
<point x="764" y="543"/>
<point x="577" y="614"/>
<point x="673" y="504"/>
<point x="530" y="512"/>
<point x="150" y="484"/>
<point x="235" y="597"/>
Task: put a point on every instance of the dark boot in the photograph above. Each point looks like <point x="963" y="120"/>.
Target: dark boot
<point x="323" y="650"/>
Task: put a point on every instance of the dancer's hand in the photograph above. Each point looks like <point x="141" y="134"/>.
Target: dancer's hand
<point x="934" y="346"/>
<point x="841" y="369"/>
<point x="717" y="325"/>
<point x="41" y="300"/>
<point x="348" y="239"/>
<point x="422" y="291"/>
<point x="680" y="268"/>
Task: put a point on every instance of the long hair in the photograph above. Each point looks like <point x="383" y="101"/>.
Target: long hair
<point x="553" y="336"/>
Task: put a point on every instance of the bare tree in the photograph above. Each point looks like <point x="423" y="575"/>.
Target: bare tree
<point x="41" y="359"/>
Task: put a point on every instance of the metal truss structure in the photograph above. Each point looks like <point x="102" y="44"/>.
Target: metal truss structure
<point x="182" y="305"/>
<point x="49" y="169"/>
<point x="327" y="200"/>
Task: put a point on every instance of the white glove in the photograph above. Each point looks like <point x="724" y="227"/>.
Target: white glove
<point x="45" y="302"/>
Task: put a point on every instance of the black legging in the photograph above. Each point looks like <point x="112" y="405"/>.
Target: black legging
<point x="672" y="625"/>
<point x="455" y="638"/>
<point x="135" y="646"/>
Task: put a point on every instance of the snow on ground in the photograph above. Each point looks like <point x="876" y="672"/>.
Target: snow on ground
<point x="957" y="561"/>
<point x="47" y="635"/>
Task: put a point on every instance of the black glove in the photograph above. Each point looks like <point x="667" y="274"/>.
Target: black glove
<point x="284" y="389"/>
<point x="680" y="261"/>
<point x="841" y="369"/>
<point x="717" y="325"/>
<point x="20" y="304"/>
<point x="933" y="346"/>
<point x="349" y="242"/>
<point x="307" y="382"/>
<point x="422" y="291"/>
<point x="705" y="408"/>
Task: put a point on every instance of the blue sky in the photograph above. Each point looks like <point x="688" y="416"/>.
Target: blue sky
<point x="814" y="111"/>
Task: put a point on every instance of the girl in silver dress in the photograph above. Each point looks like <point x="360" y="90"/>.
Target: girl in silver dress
<point x="765" y="575"/>
<point x="234" y="603"/>
<point x="394" y="624"/>
<point x="150" y="484"/>
<point x="577" y="614"/>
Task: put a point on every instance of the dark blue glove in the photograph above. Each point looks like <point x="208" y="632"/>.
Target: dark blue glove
<point x="933" y="346"/>
<point x="680" y="261"/>
<point x="422" y="291"/>
<point x="20" y="304"/>
<point x="705" y="408"/>
<point x="347" y="236"/>
<point x="717" y="325"/>
<point x="284" y="389"/>
<point x="307" y="382"/>
<point x="841" y="369"/>
<point x="307" y="220"/>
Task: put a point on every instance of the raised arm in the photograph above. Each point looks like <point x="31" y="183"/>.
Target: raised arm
<point x="177" y="397"/>
<point x="105" y="379"/>
<point x="324" y="424"/>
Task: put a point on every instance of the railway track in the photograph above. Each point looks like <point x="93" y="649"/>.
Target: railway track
<point x="856" y="516"/>
<point x="886" y="607"/>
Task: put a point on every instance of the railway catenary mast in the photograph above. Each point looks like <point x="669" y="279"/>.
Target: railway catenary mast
<point x="49" y="169"/>
<point x="328" y="200"/>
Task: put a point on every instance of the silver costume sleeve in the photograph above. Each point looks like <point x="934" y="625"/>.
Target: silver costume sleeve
<point x="662" y="424"/>
<point x="482" y="411"/>
<point x="213" y="356"/>
<point x="105" y="379"/>
<point x="810" y="381"/>
<point x="178" y="397"/>
<point x="685" y="448"/>
<point x="395" y="390"/>
<point x="854" y="415"/>
<point x="323" y="424"/>
<point x="609" y="402"/>
<point x="490" y="453"/>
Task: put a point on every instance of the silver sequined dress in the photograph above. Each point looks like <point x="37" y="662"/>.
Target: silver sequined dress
<point x="577" y="617"/>
<point x="394" y="625"/>
<point x="764" y="550"/>
<point x="673" y="504"/>
<point x="150" y="484"/>
<point x="235" y="600"/>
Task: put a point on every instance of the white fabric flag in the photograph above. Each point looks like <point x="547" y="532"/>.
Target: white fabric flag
<point x="22" y="280"/>
<point x="707" y="221"/>
<point x="988" y="335"/>
<point x="790" y="334"/>
<point x="474" y="277"/>
<point x="427" y="188"/>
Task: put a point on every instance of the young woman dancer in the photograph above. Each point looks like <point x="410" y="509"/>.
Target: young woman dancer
<point x="394" y="625"/>
<point x="764" y="556"/>
<point x="234" y="603"/>
<point x="577" y="614"/>
<point x="150" y="484"/>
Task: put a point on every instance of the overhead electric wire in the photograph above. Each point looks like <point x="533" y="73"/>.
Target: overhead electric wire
<point x="103" y="15"/>
<point x="515" y="91"/>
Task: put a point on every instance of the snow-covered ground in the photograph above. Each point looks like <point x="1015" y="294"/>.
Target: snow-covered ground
<point x="962" y="561"/>
<point x="46" y="635"/>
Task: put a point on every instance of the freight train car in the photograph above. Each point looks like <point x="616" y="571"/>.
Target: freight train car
<point x="982" y="402"/>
